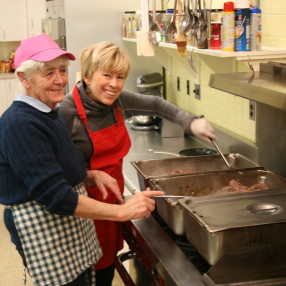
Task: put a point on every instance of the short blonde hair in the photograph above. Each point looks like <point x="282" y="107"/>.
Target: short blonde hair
<point x="104" y="56"/>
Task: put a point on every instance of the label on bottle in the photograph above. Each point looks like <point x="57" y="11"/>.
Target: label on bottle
<point x="215" y="40"/>
<point x="255" y="32"/>
<point x="228" y="24"/>
<point x="242" y="30"/>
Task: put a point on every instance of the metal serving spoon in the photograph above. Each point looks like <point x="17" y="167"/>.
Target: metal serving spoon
<point x="187" y="19"/>
<point x="154" y="31"/>
<point x="218" y="149"/>
<point x="171" y="31"/>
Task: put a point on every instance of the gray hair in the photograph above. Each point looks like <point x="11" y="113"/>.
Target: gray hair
<point x="28" y="67"/>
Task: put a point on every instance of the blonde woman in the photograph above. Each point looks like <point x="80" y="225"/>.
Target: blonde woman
<point x="95" y="113"/>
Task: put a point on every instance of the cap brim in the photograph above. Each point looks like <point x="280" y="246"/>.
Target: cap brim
<point x="51" y="54"/>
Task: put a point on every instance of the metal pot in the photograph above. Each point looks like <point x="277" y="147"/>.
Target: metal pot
<point x="143" y="120"/>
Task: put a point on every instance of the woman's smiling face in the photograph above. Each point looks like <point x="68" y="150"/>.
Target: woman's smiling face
<point x="48" y="85"/>
<point x="105" y="87"/>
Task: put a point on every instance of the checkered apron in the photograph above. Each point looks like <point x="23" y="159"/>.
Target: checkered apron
<point x="57" y="248"/>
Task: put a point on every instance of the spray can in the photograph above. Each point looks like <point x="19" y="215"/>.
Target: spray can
<point x="228" y="22"/>
<point x="242" y="25"/>
<point x="255" y="29"/>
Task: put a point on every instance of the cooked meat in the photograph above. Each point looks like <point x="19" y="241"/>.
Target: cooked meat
<point x="236" y="187"/>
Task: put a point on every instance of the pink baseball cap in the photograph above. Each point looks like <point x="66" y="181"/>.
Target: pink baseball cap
<point x="39" y="48"/>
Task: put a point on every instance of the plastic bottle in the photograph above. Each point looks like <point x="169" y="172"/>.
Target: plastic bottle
<point x="255" y="29"/>
<point x="227" y="29"/>
<point x="242" y="25"/>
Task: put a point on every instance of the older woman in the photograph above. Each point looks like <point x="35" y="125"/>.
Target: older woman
<point x="48" y="213"/>
<point x="95" y="113"/>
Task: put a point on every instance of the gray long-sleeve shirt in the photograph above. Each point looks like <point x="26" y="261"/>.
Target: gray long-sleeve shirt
<point x="101" y="116"/>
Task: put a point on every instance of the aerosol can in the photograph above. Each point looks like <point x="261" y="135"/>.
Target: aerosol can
<point x="255" y="28"/>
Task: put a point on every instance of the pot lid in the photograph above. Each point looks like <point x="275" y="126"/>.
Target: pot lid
<point x="238" y="210"/>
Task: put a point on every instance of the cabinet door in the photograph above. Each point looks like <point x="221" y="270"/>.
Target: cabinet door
<point x="36" y="11"/>
<point x="13" y="20"/>
<point x="56" y="12"/>
<point x="3" y="96"/>
<point x="11" y="88"/>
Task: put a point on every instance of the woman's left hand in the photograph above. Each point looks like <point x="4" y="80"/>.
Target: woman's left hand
<point x="103" y="181"/>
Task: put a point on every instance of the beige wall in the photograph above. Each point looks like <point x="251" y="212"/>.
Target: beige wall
<point x="225" y="110"/>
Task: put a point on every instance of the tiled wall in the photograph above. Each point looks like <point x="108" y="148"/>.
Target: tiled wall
<point x="226" y="110"/>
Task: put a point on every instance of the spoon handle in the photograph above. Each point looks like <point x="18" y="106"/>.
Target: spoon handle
<point x="220" y="152"/>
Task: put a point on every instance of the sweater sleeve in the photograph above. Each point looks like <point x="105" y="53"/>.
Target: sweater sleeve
<point x="33" y="152"/>
<point x="141" y="104"/>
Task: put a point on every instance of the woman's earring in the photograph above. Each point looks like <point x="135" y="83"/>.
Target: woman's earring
<point x="87" y="89"/>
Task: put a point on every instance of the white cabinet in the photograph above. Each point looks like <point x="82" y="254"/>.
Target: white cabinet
<point x="55" y="9"/>
<point x="36" y="11"/>
<point x="13" y="25"/>
<point x="56" y="12"/>
<point x="8" y="88"/>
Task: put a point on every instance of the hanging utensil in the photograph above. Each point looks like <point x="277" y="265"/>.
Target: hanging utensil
<point x="186" y="20"/>
<point x="181" y="40"/>
<point x="200" y="35"/>
<point x="154" y="31"/>
<point x="218" y="149"/>
<point x="171" y="32"/>
<point x="195" y="24"/>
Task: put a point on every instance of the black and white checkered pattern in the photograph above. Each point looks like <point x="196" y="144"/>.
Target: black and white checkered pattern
<point x="57" y="248"/>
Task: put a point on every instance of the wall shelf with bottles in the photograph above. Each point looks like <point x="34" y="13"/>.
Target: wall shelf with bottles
<point x="265" y="53"/>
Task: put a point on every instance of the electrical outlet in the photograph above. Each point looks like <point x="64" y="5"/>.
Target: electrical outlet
<point x="188" y="87"/>
<point x="197" y="91"/>
<point x="252" y="110"/>
<point x="178" y="84"/>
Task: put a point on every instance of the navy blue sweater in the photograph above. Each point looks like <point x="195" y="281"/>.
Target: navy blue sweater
<point x="38" y="160"/>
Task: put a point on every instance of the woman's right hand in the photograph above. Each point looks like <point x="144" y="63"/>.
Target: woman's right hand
<point x="140" y="205"/>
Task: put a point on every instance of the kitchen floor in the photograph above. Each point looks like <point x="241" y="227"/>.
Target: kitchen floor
<point x="11" y="269"/>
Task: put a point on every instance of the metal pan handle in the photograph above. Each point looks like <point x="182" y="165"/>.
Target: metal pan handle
<point x="124" y="275"/>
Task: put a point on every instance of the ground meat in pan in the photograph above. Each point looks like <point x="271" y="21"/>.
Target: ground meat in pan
<point x="236" y="187"/>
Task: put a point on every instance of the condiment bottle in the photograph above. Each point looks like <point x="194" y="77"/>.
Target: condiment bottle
<point x="228" y="24"/>
<point x="255" y="29"/>
<point x="242" y="25"/>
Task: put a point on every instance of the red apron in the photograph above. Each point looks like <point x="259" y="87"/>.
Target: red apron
<point x="110" y="145"/>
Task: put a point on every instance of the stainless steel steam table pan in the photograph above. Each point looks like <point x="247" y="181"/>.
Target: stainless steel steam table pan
<point x="202" y="185"/>
<point x="224" y="224"/>
<point x="151" y="169"/>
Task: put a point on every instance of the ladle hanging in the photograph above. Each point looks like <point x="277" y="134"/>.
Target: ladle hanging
<point x="171" y="32"/>
<point x="154" y="31"/>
